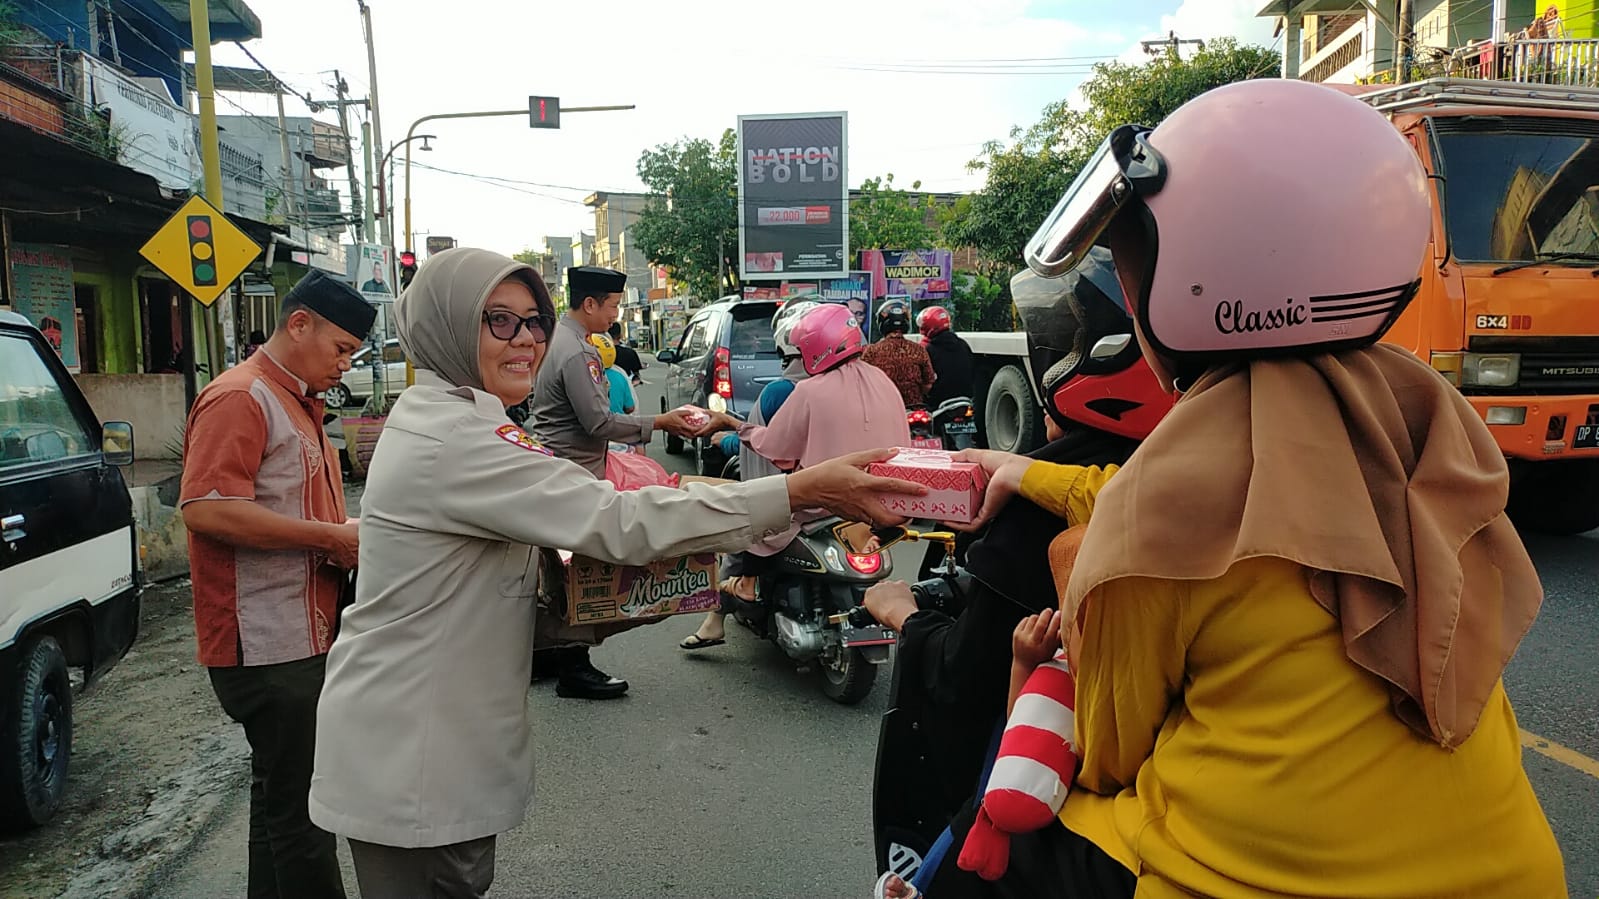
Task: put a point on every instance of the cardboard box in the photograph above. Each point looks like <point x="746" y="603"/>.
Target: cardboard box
<point x="598" y="592"/>
<point x="955" y="489"/>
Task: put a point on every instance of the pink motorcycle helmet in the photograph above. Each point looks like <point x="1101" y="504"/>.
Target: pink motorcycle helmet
<point x="826" y="338"/>
<point x="1265" y="218"/>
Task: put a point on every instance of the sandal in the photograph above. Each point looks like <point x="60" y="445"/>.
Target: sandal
<point x="695" y="641"/>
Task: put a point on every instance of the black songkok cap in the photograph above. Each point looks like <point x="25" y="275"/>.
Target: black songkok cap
<point x="335" y="301"/>
<point x="593" y="281"/>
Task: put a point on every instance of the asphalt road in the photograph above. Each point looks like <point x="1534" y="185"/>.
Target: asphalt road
<point x="727" y="773"/>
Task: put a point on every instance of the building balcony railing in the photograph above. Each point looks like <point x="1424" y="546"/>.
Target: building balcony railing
<point x="40" y="87"/>
<point x="1344" y="52"/>
<point x="1565" y="61"/>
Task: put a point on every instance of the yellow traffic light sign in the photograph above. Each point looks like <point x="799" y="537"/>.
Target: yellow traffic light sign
<point x="201" y="250"/>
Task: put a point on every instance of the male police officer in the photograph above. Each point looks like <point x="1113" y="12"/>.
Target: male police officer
<point x="572" y="417"/>
<point x="571" y="414"/>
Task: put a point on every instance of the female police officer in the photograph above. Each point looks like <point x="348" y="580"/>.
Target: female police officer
<point x="423" y="749"/>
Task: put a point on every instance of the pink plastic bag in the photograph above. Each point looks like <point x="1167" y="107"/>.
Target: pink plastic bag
<point x="630" y="471"/>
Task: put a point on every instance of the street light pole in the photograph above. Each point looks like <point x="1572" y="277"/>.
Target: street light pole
<point x="472" y="115"/>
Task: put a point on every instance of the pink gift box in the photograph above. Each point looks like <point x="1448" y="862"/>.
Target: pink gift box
<point x="954" y="489"/>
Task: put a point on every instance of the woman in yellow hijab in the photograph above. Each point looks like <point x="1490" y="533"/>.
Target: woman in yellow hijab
<point x="1293" y="606"/>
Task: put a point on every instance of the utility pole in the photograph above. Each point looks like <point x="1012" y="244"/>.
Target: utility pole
<point x="1404" y="45"/>
<point x="372" y="99"/>
<point x="288" y="162"/>
<point x="369" y="224"/>
<point x="349" y="154"/>
<point x="1172" y="44"/>
<point x="342" y="89"/>
<point x="210" y="156"/>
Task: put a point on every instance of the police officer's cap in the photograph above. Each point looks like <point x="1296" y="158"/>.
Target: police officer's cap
<point x="593" y="281"/>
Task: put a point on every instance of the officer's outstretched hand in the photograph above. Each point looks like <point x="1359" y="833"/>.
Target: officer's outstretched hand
<point x="843" y="487"/>
<point x="677" y="422"/>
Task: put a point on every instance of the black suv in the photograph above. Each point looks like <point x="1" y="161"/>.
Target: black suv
<point x="723" y="359"/>
<point x="69" y="568"/>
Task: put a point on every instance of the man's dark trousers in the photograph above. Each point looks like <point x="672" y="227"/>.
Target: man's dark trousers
<point x="290" y="858"/>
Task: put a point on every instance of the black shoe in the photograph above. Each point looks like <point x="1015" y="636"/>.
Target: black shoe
<point x="587" y="682"/>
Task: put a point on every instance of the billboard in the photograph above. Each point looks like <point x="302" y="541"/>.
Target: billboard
<point x="917" y="274"/>
<point x="793" y="196"/>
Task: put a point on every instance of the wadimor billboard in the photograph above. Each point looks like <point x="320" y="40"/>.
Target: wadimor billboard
<point x="793" y="196"/>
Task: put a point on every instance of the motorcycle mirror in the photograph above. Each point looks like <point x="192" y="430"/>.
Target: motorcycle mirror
<point x="1110" y="347"/>
<point x="854" y="535"/>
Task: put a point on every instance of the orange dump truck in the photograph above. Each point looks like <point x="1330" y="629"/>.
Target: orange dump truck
<point x="1508" y="309"/>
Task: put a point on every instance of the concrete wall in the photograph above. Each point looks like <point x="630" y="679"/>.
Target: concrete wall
<point x="153" y="403"/>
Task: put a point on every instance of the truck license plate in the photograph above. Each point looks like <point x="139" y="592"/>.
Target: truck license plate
<point x="961" y="427"/>
<point x="873" y="635"/>
<point x="1587" y="437"/>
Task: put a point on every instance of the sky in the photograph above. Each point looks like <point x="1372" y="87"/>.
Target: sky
<point x="925" y="84"/>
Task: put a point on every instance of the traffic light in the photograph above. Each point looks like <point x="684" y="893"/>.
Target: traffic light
<point x="407" y="268"/>
<point x="202" y="251"/>
<point x="544" y="112"/>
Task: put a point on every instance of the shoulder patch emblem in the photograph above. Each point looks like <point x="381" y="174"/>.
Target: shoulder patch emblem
<point x="517" y="437"/>
<point x="595" y="371"/>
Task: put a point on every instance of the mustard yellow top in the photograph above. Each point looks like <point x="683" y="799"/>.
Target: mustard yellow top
<point x="1230" y="748"/>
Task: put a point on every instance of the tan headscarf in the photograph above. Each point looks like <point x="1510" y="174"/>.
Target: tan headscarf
<point x="441" y="314"/>
<point x="1369" y="469"/>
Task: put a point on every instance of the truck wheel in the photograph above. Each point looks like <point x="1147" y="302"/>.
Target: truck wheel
<point x="1560" y="498"/>
<point x="36" y="742"/>
<point x="847" y="676"/>
<point x="1011" y="420"/>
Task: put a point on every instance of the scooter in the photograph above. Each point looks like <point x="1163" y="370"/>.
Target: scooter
<point x="955" y="423"/>
<point x="923" y="434"/>
<point x="809" y="602"/>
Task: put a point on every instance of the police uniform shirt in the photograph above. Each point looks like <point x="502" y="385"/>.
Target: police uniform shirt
<point x="441" y="632"/>
<point x="572" y="414"/>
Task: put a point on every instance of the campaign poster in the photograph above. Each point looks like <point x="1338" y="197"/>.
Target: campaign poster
<point x="41" y="281"/>
<point x="793" y="196"/>
<point x="372" y="272"/>
<point x="916" y="274"/>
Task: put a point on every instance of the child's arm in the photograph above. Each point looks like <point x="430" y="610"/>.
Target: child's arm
<point x="1034" y="642"/>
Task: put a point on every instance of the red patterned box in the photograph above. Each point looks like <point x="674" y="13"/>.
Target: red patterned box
<point x="955" y="489"/>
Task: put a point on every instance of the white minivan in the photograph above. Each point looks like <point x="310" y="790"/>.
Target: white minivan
<point x="69" y="565"/>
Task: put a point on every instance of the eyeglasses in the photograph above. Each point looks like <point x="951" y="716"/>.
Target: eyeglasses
<point x="506" y="325"/>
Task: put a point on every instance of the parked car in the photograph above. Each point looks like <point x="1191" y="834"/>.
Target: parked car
<point x="722" y="360"/>
<point x="355" y="388"/>
<point x="69" y="569"/>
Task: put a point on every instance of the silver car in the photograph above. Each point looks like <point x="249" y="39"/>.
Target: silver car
<point x="356" y="387"/>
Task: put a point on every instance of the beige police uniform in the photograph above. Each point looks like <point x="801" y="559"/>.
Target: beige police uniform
<point x="422" y="730"/>
<point x="571" y="412"/>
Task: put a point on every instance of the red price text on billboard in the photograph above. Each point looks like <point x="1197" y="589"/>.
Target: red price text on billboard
<point x="782" y="165"/>
<point x="794" y="215"/>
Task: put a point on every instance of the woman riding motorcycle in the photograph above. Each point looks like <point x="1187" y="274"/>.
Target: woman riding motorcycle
<point x="1292" y="608"/>
<point x="844" y="406"/>
<point x="951" y="672"/>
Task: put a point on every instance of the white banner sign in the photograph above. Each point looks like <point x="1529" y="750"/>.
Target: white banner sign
<point x="156" y="135"/>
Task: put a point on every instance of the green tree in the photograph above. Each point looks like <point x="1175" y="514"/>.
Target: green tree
<point x="690" y="224"/>
<point x="1025" y="179"/>
<point x="882" y="217"/>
